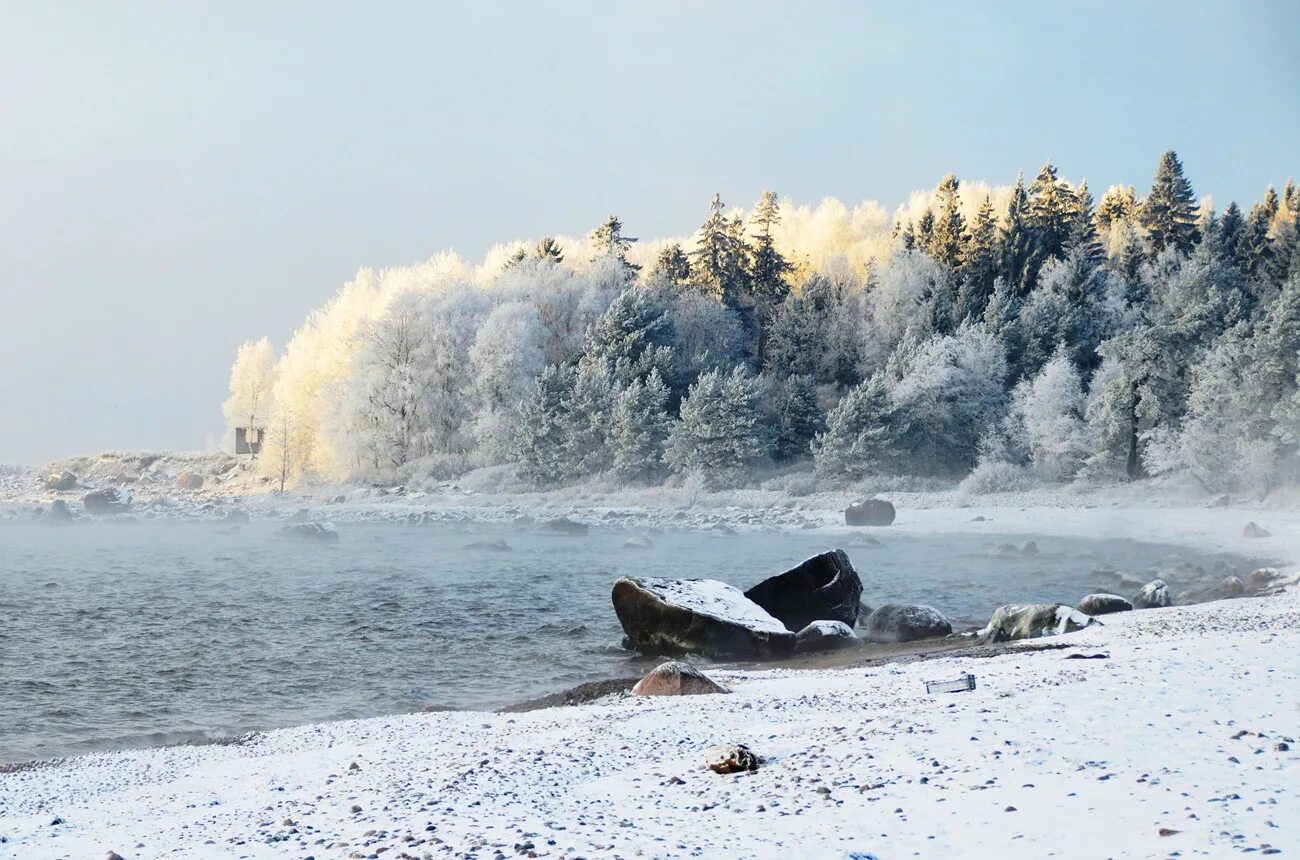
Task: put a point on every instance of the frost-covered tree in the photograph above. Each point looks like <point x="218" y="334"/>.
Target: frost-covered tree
<point x="798" y="417"/>
<point x="542" y="443"/>
<point x="1050" y="408"/>
<point x="861" y="436"/>
<point x="609" y="241"/>
<point x="1016" y="240"/>
<point x="707" y="336"/>
<point x="1052" y="209"/>
<point x="673" y="266"/>
<point x="588" y="419"/>
<point x="505" y="360"/>
<point x="768" y="268"/>
<point x="634" y="336"/>
<point x="639" y="430"/>
<point x="979" y="267"/>
<point x="947" y="235"/>
<point x="1169" y="211"/>
<point x="252" y="381"/>
<point x="911" y="294"/>
<point x="720" y="257"/>
<point x="720" y="434"/>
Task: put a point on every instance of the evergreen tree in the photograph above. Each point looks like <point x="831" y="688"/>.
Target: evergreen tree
<point x="673" y="266"/>
<point x="925" y="232"/>
<point x="979" y="265"/>
<point x="798" y="341"/>
<point x="633" y="337"/>
<point x="1228" y="236"/>
<point x="1052" y="206"/>
<point x="1083" y="230"/>
<point x="588" y="419"/>
<point x="639" y="432"/>
<point x="1016" y="240"/>
<point x="1169" y="213"/>
<point x="608" y="240"/>
<point x="542" y="444"/>
<point x="1050" y="409"/>
<point x="720" y="257"/>
<point x="768" y="268"/>
<point x="1118" y="206"/>
<point x="949" y="226"/>
<point x="861" y="435"/>
<point x="549" y="249"/>
<point x="798" y="417"/>
<point x="720" y="434"/>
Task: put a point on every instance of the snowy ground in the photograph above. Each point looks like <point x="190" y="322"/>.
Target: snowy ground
<point x="1176" y="731"/>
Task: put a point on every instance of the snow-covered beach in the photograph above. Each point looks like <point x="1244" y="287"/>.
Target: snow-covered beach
<point x="1180" y="741"/>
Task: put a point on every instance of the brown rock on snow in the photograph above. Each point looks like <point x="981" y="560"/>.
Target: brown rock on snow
<point x="732" y="758"/>
<point x="676" y="678"/>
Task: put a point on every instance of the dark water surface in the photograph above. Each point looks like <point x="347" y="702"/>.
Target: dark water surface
<point x="132" y="634"/>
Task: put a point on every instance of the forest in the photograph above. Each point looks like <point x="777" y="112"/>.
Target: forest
<point x="1004" y="337"/>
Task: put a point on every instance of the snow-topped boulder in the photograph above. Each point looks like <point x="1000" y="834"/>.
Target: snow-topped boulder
<point x="898" y="622"/>
<point x="676" y="678"/>
<point x="1030" y="621"/>
<point x="1154" y="595"/>
<point x="106" y="502"/>
<point x="189" y="481"/>
<point x="61" y="481"/>
<point x="700" y="616"/>
<point x="1265" y="580"/>
<point x="1103" y="604"/>
<point x="1255" y="530"/>
<point x="871" y="512"/>
<point x="822" y="636"/>
<point x="319" y="532"/>
<point x="822" y="588"/>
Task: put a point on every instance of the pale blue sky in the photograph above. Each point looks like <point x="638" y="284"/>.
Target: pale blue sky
<point x="178" y="177"/>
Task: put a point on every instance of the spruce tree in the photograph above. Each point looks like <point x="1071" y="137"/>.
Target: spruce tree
<point x="798" y="417"/>
<point x="639" y="430"/>
<point x="1118" y="206"/>
<point x="720" y="434"/>
<point x="1015" y="241"/>
<point x="949" y="226"/>
<point x="1256" y="246"/>
<point x="608" y="240"/>
<point x="1052" y="206"/>
<point x="633" y="337"/>
<point x="979" y="265"/>
<point x="673" y="266"/>
<point x="861" y="436"/>
<point x="768" y="268"/>
<point x="719" y="259"/>
<point x="588" y="419"/>
<point x="1169" y="213"/>
<point x="1228" y="236"/>
<point x="542" y="442"/>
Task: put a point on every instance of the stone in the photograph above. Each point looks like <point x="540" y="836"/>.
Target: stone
<point x="1265" y="580"/>
<point x="732" y="758"/>
<point x="821" y="636"/>
<point x="638" y="543"/>
<point x="566" y="526"/>
<point x="1254" y="530"/>
<point x="1154" y="595"/>
<point x="318" y="532"/>
<point x="1229" y="588"/>
<point x="189" y="481"/>
<point x="822" y="588"/>
<point x="59" y="512"/>
<point x="871" y="512"/>
<point x="1104" y="604"/>
<point x="676" y="678"/>
<point x="113" y="855"/>
<point x="61" y="482"/>
<point x="1014" y="622"/>
<point x="1221" y="502"/>
<point x="106" y="502"/>
<point x="498" y="545"/>
<point x="905" y="622"/>
<point x="1030" y="548"/>
<point x="696" y="616"/>
<point x="236" y="516"/>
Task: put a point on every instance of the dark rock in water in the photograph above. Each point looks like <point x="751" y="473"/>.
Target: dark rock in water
<point x="1254" y="530"/>
<point x="701" y="616"/>
<point x="319" y="532"/>
<point x="189" y="481"/>
<point x="1103" y="604"/>
<point x="566" y="526"/>
<point x="825" y="636"/>
<point x="1030" y="548"/>
<point x="872" y="512"/>
<point x="896" y="622"/>
<point x="236" y="516"/>
<point x="106" y="502"/>
<point x="498" y="545"/>
<point x="61" y="482"/>
<point x="1154" y="595"/>
<point x="59" y="512"/>
<point x="637" y="543"/>
<point x="676" y="678"/>
<point x="822" y="588"/>
<point x="732" y="758"/>
<point x="864" y="612"/>
<point x="1030" y="621"/>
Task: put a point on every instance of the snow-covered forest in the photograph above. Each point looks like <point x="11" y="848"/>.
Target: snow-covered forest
<point x="1002" y="336"/>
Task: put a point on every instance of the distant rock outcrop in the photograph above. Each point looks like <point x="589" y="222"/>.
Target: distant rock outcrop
<point x="1103" y="604"/>
<point x="700" y="616"/>
<point x="871" y="512"/>
<point x="896" y="622"/>
<point x="1030" y="621"/>
<point x="822" y="588"/>
<point x="676" y="678"/>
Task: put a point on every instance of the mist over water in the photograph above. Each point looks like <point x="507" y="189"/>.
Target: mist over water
<point x="137" y="634"/>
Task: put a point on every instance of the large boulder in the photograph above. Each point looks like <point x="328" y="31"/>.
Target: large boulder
<point x="59" y="512"/>
<point x="696" y="616"/>
<point x="676" y="678"/>
<point x="61" y="481"/>
<point x="189" y="481"/>
<point x="871" y="512"/>
<point x="822" y="588"/>
<point x="566" y="526"/>
<point x="1030" y="621"/>
<point x="317" y="532"/>
<point x="106" y="502"/>
<point x="1103" y="604"/>
<point x="825" y="636"/>
<point x="1264" y="580"/>
<point x="1255" y="530"/>
<point x="1154" y="595"/>
<point x="899" y="622"/>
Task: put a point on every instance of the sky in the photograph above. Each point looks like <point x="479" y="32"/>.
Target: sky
<point x="176" y="178"/>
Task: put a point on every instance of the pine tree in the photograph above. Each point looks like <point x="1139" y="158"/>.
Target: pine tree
<point x="1052" y="206"/>
<point x="861" y="434"/>
<point x="768" y="268"/>
<point x="979" y="265"/>
<point x="542" y="443"/>
<point x="589" y="419"/>
<point x="1118" y="206"/>
<point x="1015" y="242"/>
<point x="608" y="240"/>
<point x="720" y="434"/>
<point x="1083" y="230"/>
<point x="1228" y="236"/>
<point x="673" y="266"/>
<point x="633" y="337"/>
<point x="549" y="249"/>
<point x="1169" y="213"/>
<point x="798" y="417"/>
<point x="639" y="432"/>
<point x="949" y="226"/>
<point x="720" y="257"/>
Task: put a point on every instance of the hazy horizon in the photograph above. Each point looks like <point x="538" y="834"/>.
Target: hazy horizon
<point x="178" y="180"/>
